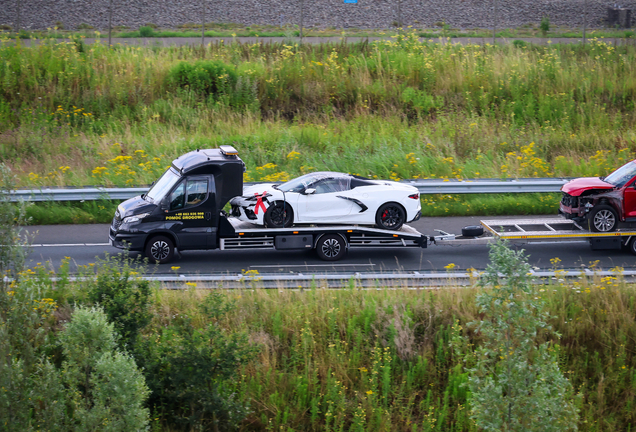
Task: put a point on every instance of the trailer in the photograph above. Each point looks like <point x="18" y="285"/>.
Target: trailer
<point x="541" y="230"/>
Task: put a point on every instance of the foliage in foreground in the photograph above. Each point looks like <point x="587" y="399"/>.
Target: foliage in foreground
<point x="356" y="359"/>
<point x="515" y="380"/>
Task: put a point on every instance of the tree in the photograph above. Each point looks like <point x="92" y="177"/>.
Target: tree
<point x="545" y="25"/>
<point x="106" y="389"/>
<point x="516" y="383"/>
<point x="14" y="249"/>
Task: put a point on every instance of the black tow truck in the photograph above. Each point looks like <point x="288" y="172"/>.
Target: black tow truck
<point x="183" y="210"/>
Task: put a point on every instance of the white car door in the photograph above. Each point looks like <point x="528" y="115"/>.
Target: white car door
<point x="324" y="205"/>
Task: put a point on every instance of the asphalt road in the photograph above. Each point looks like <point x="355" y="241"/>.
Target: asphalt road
<point x="84" y="243"/>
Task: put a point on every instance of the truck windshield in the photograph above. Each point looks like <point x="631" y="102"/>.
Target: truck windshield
<point x="163" y="185"/>
<point x="621" y="176"/>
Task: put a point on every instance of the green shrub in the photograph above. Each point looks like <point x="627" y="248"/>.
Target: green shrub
<point x="191" y="371"/>
<point x="123" y="296"/>
<point x="146" y="31"/>
<point x="545" y="25"/>
<point x="204" y="78"/>
<point x="106" y="390"/>
<point x="516" y="383"/>
<point x="519" y="43"/>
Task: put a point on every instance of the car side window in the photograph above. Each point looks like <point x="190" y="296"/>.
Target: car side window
<point x="197" y="191"/>
<point x="331" y="185"/>
<point x="177" y="196"/>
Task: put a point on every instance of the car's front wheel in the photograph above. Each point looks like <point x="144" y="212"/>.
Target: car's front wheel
<point x="279" y="215"/>
<point x="390" y="216"/>
<point x="160" y="250"/>
<point x="602" y="218"/>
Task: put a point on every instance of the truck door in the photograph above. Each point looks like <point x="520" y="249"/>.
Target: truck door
<point x="629" y="200"/>
<point x="190" y="213"/>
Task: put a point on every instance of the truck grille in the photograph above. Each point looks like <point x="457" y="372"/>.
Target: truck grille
<point x="569" y="200"/>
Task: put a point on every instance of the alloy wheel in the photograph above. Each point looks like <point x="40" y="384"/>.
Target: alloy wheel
<point x="604" y="220"/>
<point x="331" y="248"/>
<point x="391" y="216"/>
<point x="160" y="250"/>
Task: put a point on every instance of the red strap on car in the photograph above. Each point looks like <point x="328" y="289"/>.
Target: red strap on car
<point x="259" y="202"/>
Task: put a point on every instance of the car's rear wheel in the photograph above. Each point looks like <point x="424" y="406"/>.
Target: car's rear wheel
<point x="160" y="250"/>
<point x="279" y="215"/>
<point x="390" y="216"/>
<point x="602" y="218"/>
<point x="331" y="247"/>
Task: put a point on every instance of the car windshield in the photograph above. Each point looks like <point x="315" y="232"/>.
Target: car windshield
<point x="621" y="176"/>
<point x="299" y="184"/>
<point x="163" y="185"/>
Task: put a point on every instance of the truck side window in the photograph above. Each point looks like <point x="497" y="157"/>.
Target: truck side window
<point x="176" y="198"/>
<point x="197" y="191"/>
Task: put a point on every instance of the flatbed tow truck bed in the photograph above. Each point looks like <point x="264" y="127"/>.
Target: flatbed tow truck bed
<point x="522" y="231"/>
<point x="248" y="236"/>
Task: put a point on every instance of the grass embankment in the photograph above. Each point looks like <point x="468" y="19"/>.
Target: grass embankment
<point x="378" y="360"/>
<point x="231" y="30"/>
<point x="73" y="114"/>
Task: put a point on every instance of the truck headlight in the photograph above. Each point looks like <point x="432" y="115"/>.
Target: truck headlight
<point x="134" y="218"/>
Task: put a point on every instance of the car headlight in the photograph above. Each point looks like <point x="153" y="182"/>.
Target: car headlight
<point x="135" y="218"/>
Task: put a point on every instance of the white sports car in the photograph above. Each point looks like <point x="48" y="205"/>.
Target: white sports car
<point x="329" y="198"/>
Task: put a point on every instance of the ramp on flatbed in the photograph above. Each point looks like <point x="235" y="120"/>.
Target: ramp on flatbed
<point x="529" y="229"/>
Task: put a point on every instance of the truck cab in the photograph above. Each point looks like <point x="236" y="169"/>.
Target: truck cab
<point x="182" y="209"/>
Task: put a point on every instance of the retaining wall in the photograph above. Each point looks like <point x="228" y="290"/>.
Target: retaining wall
<point x="42" y="14"/>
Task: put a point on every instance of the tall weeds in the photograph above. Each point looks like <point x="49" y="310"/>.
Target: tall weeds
<point x="67" y="104"/>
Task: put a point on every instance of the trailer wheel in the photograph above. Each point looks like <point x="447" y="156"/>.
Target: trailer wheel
<point x="331" y="247"/>
<point x="631" y="246"/>
<point x="602" y="218"/>
<point x="279" y="215"/>
<point x="160" y="250"/>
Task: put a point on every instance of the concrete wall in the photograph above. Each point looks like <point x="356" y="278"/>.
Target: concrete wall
<point x="41" y="14"/>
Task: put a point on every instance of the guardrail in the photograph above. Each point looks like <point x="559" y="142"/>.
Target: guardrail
<point x="425" y="187"/>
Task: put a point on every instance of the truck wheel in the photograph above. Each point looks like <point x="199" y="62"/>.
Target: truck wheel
<point x="631" y="246"/>
<point x="279" y="215"/>
<point x="160" y="250"/>
<point x="602" y="218"/>
<point x="390" y="216"/>
<point x="331" y="247"/>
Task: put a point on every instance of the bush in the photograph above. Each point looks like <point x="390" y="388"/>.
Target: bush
<point x="191" y="371"/>
<point x="146" y="31"/>
<point x="545" y="25"/>
<point x="106" y="390"/>
<point x="205" y="78"/>
<point x="124" y="297"/>
<point x="516" y="383"/>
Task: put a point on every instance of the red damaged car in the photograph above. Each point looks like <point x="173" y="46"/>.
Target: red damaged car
<point x="600" y="203"/>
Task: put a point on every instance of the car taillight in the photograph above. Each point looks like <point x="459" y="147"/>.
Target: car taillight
<point x="415" y="196"/>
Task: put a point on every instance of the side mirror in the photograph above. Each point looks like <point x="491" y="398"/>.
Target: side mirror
<point x="165" y="204"/>
<point x="310" y="191"/>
